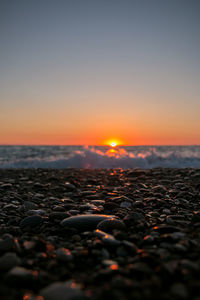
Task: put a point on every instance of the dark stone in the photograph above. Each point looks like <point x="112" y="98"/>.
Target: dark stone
<point x="9" y="245"/>
<point x="84" y="222"/>
<point x="62" y="291"/>
<point x="110" y="224"/>
<point x="31" y="222"/>
<point x="166" y="229"/>
<point x="8" y="261"/>
<point x="21" y="276"/>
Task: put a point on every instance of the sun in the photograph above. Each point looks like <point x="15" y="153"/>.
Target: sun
<point x="113" y="144"/>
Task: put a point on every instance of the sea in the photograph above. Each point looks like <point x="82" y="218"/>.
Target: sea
<point x="125" y="157"/>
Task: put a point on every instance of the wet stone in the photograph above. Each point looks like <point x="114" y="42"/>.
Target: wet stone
<point x="62" y="291"/>
<point x="166" y="229"/>
<point x="58" y="215"/>
<point x="8" y="261"/>
<point x="31" y="222"/>
<point x="179" y="291"/>
<point x="30" y="205"/>
<point x="109" y="263"/>
<point x="63" y="255"/>
<point x="130" y="246"/>
<point x="107" y="239"/>
<point x="84" y="222"/>
<point x="10" y="207"/>
<point x="9" y="244"/>
<point x="126" y="204"/>
<point x="98" y="202"/>
<point x="21" y="276"/>
<point x="110" y="224"/>
<point x="39" y="212"/>
<point x="70" y="187"/>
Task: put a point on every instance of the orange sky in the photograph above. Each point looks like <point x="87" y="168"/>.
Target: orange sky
<point x="83" y="73"/>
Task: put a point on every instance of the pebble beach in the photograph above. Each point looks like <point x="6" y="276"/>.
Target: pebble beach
<point x="99" y="234"/>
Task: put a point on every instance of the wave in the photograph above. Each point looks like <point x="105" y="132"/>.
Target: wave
<point x="113" y="158"/>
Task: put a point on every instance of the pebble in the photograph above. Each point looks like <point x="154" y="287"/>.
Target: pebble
<point x="31" y="222"/>
<point x="8" y="261"/>
<point x="110" y="224"/>
<point x="126" y="204"/>
<point x="179" y="291"/>
<point x="146" y="248"/>
<point x="98" y="202"/>
<point x="107" y="239"/>
<point x="166" y="229"/>
<point x="110" y="263"/>
<point x="30" y="205"/>
<point x="38" y="212"/>
<point x="63" y="255"/>
<point x="21" y="276"/>
<point x="62" y="291"/>
<point x="58" y="215"/>
<point x="69" y="186"/>
<point x="9" y="244"/>
<point x="84" y="222"/>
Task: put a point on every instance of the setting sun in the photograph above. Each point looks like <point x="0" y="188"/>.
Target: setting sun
<point x="113" y="144"/>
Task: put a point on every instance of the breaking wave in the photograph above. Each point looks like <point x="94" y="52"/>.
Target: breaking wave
<point x="91" y="157"/>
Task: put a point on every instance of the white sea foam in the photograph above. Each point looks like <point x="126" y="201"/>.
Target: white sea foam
<point x="103" y="157"/>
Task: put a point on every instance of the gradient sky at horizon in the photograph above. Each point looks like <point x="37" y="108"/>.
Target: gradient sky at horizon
<point x="84" y="72"/>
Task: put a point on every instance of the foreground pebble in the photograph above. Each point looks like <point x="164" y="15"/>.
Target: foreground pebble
<point x="62" y="291"/>
<point x="113" y="234"/>
<point x="31" y="222"/>
<point x="84" y="222"/>
<point x="8" y="261"/>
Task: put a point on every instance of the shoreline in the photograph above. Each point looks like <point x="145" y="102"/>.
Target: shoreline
<point x="153" y="244"/>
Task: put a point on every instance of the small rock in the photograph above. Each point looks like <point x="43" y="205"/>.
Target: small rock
<point x="8" y="261"/>
<point x="28" y="205"/>
<point x="84" y="222"/>
<point x="110" y="224"/>
<point x="38" y="212"/>
<point x="98" y="202"/>
<point x="107" y="239"/>
<point x="166" y="229"/>
<point x="179" y="290"/>
<point x="21" y="276"/>
<point x="110" y="263"/>
<point x="126" y="204"/>
<point x="62" y="291"/>
<point x="8" y="245"/>
<point x="63" y="255"/>
<point x="70" y="187"/>
<point x="31" y="222"/>
<point x="57" y="215"/>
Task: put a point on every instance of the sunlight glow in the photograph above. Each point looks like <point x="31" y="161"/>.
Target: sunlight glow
<point x="113" y="144"/>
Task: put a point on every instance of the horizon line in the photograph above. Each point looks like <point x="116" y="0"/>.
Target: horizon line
<point x="99" y="145"/>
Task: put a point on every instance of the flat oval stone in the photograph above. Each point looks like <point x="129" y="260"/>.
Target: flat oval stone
<point x="58" y="215"/>
<point x="62" y="291"/>
<point x="110" y="224"/>
<point x="107" y="239"/>
<point x="166" y="229"/>
<point x="9" y="245"/>
<point x="84" y="222"/>
<point x="8" y="261"/>
<point x="98" y="202"/>
<point x="31" y="222"/>
<point x="21" y="276"/>
<point x="63" y="255"/>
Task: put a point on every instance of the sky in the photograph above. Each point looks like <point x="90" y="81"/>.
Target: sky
<point x="84" y="72"/>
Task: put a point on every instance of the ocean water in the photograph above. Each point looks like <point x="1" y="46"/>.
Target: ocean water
<point x="61" y="157"/>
